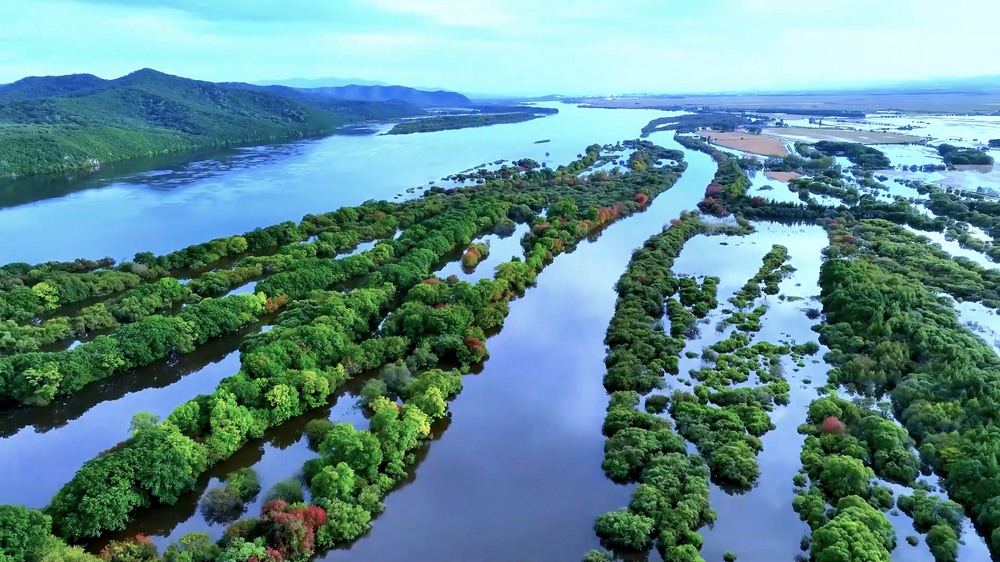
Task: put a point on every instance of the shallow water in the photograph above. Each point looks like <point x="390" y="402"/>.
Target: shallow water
<point x="953" y="248"/>
<point x="779" y="190"/>
<point x="760" y="525"/>
<point x="517" y="475"/>
<point x="983" y="321"/>
<point x="515" y="472"/>
<point x="909" y="154"/>
<point x="222" y="194"/>
<point x="501" y="249"/>
<point x="277" y="456"/>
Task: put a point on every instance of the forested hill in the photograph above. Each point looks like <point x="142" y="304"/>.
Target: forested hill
<point x="62" y="123"/>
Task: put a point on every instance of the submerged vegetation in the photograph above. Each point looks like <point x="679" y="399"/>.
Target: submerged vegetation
<point x="955" y="156"/>
<point x="670" y="503"/>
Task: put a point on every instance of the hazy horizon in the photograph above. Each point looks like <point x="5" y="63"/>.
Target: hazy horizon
<point x="510" y="47"/>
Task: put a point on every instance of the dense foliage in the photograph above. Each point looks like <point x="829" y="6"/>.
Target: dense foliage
<point x="690" y="122"/>
<point x="671" y="501"/>
<point x="955" y="156"/>
<point x="891" y="335"/>
<point x="730" y="182"/>
<point x="859" y="154"/>
<point x="738" y="385"/>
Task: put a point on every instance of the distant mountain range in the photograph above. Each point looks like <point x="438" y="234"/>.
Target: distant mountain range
<point x="361" y="90"/>
<point x="330" y="82"/>
<point x="60" y="123"/>
<point x="419" y="98"/>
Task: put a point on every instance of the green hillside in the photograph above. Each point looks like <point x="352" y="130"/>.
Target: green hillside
<point x="64" y="123"/>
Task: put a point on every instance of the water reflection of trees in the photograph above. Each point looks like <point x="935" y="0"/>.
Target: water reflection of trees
<point x="163" y="520"/>
<point x="158" y="375"/>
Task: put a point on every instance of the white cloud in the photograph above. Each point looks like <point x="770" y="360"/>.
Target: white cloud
<point x="471" y="13"/>
<point x="512" y="46"/>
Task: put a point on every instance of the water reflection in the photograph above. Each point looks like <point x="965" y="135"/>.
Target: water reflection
<point x="518" y="475"/>
<point x="157" y="173"/>
<point x="46" y="446"/>
<point x="502" y="248"/>
<point x="749" y="523"/>
<point x="277" y="456"/>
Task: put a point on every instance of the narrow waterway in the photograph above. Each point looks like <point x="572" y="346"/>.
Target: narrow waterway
<point x="516" y="472"/>
<point x="760" y="525"/>
<point x="518" y="475"/>
<point x="174" y="202"/>
<point x="44" y="447"/>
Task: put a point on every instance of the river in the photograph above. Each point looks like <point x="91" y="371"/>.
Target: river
<point x="516" y="472"/>
<point x="182" y="202"/>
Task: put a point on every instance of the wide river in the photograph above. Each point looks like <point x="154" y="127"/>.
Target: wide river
<point x="186" y="201"/>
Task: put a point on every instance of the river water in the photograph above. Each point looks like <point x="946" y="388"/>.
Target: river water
<point x="182" y="202"/>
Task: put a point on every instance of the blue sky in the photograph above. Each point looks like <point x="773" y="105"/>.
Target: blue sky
<point x="510" y="46"/>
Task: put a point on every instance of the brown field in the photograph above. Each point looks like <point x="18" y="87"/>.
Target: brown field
<point x="783" y="177"/>
<point x="756" y="144"/>
<point x="807" y="134"/>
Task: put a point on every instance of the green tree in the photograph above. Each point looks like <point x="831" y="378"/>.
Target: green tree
<point x="23" y="533"/>
<point x="598" y="556"/>
<point x="625" y="529"/>
<point x="192" y="547"/>
<point x="334" y="482"/>
<point x="843" y="476"/>
<point x="345" y="522"/>
<point x="245" y="482"/>
<point x="289" y="489"/>
<point x="142" y="420"/>
<point x="47" y="295"/>
<point x="359" y="449"/>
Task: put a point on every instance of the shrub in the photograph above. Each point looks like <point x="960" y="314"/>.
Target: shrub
<point x="245" y="482"/>
<point x="289" y="490"/>
<point x="221" y="505"/>
<point x="316" y="431"/>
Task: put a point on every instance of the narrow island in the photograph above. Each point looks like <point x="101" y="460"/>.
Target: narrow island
<point x="465" y="121"/>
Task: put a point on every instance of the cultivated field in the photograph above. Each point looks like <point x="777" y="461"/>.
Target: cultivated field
<point x="781" y="176"/>
<point x="812" y="134"/>
<point x="756" y="144"/>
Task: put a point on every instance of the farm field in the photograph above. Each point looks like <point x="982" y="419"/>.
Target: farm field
<point x="812" y="135"/>
<point x="754" y="144"/>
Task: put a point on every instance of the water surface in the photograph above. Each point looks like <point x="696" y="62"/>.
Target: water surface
<point x="187" y="202"/>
